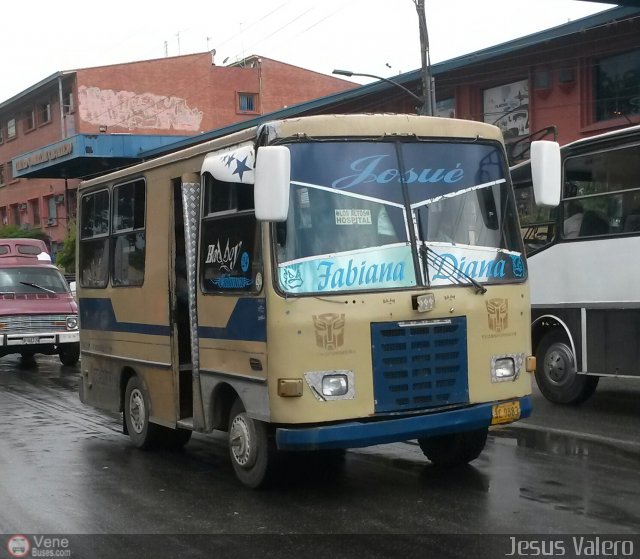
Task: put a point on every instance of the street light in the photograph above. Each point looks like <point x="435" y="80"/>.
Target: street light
<point x="349" y="74"/>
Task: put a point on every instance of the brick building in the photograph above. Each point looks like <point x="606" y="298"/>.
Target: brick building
<point x="77" y="123"/>
<point x="568" y="82"/>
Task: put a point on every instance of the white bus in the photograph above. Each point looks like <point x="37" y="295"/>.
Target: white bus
<point x="584" y="267"/>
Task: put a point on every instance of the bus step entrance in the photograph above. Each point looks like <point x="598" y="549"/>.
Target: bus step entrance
<point x="186" y="423"/>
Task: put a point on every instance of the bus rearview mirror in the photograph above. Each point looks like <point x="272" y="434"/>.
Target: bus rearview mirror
<point x="272" y="183"/>
<point x="546" y="172"/>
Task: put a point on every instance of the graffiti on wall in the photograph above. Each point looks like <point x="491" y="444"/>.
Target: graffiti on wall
<point x="127" y="109"/>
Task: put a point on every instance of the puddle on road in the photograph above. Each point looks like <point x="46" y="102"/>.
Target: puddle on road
<point x="566" y="445"/>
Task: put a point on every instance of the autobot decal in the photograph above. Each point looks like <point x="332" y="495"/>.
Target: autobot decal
<point x="329" y="330"/>
<point x="498" y="314"/>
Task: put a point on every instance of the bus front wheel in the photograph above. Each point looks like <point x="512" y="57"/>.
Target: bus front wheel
<point x="251" y="450"/>
<point x="556" y="373"/>
<point x="143" y="434"/>
<point x="455" y="449"/>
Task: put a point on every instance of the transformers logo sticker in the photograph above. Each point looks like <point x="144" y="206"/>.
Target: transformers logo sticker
<point x="498" y="314"/>
<point x="329" y="330"/>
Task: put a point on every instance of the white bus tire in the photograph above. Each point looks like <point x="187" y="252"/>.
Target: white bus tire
<point x="556" y="374"/>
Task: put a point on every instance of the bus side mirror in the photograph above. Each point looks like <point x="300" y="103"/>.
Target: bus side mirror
<point x="272" y="179"/>
<point x="546" y="172"/>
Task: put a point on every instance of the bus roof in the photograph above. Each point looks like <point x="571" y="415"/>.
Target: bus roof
<point x="334" y="125"/>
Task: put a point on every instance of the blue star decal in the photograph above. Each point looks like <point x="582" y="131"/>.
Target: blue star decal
<point x="241" y="167"/>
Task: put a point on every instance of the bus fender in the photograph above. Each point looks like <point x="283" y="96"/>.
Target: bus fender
<point x="543" y="324"/>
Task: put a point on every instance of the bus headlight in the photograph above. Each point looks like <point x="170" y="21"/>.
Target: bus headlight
<point x="72" y="323"/>
<point x="506" y="368"/>
<point x="335" y="385"/>
<point x="331" y="385"/>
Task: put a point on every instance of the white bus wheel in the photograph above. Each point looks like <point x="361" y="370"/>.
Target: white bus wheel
<point x="252" y="452"/>
<point x="556" y="373"/>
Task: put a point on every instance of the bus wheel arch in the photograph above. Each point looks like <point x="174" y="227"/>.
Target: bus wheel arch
<point x="222" y="398"/>
<point x="556" y="366"/>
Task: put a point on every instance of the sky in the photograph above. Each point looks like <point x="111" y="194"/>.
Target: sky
<point x="379" y="37"/>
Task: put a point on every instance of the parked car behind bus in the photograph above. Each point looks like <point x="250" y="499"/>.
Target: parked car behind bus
<point x="38" y="313"/>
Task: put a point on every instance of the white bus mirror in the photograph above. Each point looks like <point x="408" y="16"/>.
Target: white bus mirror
<point x="272" y="183"/>
<point x="546" y="172"/>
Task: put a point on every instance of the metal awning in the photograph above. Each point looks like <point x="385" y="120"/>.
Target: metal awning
<point x="84" y="155"/>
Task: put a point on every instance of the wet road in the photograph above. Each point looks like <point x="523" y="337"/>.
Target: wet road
<point x="67" y="469"/>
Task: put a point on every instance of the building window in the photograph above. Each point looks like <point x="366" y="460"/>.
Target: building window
<point x="45" y="113"/>
<point x="29" y="120"/>
<point x="67" y="102"/>
<point x="247" y="102"/>
<point x="129" y="239"/>
<point x="35" y="211"/>
<point x="446" y="108"/>
<point x="3" y="179"/>
<point x="507" y="106"/>
<point x="617" y="87"/>
<point x="11" y="128"/>
<point x="1" y="134"/>
<point x="3" y="217"/>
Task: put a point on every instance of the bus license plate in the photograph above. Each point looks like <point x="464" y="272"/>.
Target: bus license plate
<point x="505" y="413"/>
<point x="32" y="340"/>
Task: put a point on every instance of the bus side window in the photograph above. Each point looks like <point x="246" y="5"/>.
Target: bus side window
<point x="94" y="240"/>
<point x="231" y="256"/>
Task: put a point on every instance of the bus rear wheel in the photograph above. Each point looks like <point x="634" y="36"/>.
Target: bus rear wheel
<point x="251" y="450"/>
<point x="455" y="449"/>
<point x="556" y="374"/>
<point x="69" y="353"/>
<point x="143" y="434"/>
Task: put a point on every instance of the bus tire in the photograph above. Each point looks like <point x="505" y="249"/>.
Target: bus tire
<point x="69" y="353"/>
<point x="250" y="448"/>
<point x="143" y="434"/>
<point x="455" y="449"/>
<point x="556" y="374"/>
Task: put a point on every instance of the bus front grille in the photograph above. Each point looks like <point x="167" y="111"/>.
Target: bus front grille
<point x="419" y="364"/>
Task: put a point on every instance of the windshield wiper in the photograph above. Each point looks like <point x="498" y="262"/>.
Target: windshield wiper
<point x="448" y="266"/>
<point x="37" y="286"/>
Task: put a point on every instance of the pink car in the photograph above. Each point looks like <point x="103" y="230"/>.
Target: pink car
<point x="38" y="313"/>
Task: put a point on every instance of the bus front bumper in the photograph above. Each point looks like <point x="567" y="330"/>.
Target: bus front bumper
<point x="355" y="434"/>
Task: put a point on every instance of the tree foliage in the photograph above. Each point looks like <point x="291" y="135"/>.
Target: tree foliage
<point x="66" y="258"/>
<point x="16" y="232"/>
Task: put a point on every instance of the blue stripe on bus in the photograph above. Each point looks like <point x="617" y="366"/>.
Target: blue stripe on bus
<point x="353" y="434"/>
<point x="98" y="314"/>
<point x="247" y="321"/>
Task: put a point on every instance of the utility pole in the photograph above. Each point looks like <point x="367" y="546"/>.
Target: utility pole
<point x="427" y="104"/>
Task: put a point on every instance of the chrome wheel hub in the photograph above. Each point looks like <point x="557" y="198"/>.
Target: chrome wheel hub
<point x="136" y="410"/>
<point x="240" y="441"/>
